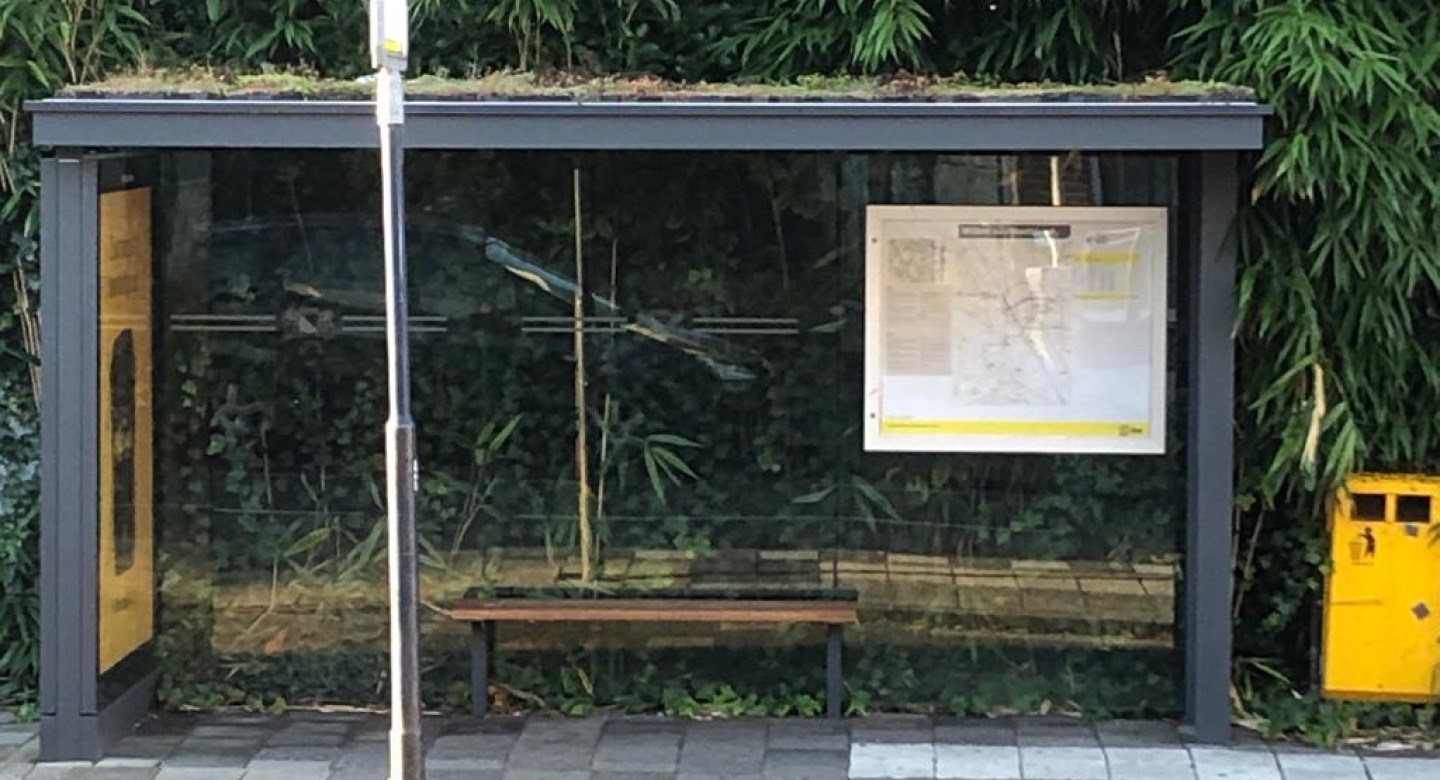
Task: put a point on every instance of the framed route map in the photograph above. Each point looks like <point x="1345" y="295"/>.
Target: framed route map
<point x="1015" y="329"/>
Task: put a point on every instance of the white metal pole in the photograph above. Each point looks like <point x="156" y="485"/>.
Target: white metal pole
<point x="389" y="43"/>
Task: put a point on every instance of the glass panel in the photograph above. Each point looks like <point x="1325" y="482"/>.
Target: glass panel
<point x="720" y="373"/>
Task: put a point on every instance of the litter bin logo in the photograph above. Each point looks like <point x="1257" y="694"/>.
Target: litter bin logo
<point x="1362" y="548"/>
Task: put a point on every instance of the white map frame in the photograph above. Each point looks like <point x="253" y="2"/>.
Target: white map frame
<point x="1129" y="327"/>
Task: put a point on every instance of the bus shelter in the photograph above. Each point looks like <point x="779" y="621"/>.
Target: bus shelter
<point x="875" y="341"/>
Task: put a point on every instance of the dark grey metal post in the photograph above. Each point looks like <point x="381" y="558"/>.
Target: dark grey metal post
<point x="481" y="638"/>
<point x="1210" y="477"/>
<point x="69" y="511"/>
<point x="834" y="682"/>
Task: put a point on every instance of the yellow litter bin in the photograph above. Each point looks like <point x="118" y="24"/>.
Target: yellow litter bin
<point x="1382" y="597"/>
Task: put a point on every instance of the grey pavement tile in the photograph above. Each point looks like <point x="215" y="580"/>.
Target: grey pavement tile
<point x="126" y="762"/>
<point x="115" y="773"/>
<point x="890" y="760"/>
<point x="1215" y="763"/>
<point x="463" y="764"/>
<point x="212" y="759"/>
<point x="1321" y="766"/>
<point x="1150" y="763"/>
<point x="488" y="746"/>
<point x="200" y="773"/>
<point x="683" y="775"/>
<point x="809" y="735"/>
<point x="298" y="753"/>
<point x="653" y="752"/>
<point x="13" y="736"/>
<point x="1054" y="732"/>
<point x="975" y="731"/>
<point x="287" y="770"/>
<point x="463" y="774"/>
<point x="556" y="745"/>
<point x="643" y="726"/>
<point x="806" y="765"/>
<point x="977" y="762"/>
<point x="377" y="770"/>
<point x="220" y="743"/>
<point x="709" y="755"/>
<point x="256" y="732"/>
<point x="56" y="770"/>
<point x="894" y="729"/>
<point x="144" y="746"/>
<point x="632" y="776"/>
<point x="301" y="738"/>
<point x="538" y="774"/>
<point x="1063" y="763"/>
<point x="1388" y="768"/>
<point x="1136" y="734"/>
<point x="362" y="754"/>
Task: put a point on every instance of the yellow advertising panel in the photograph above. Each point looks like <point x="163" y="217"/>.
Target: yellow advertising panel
<point x="126" y="575"/>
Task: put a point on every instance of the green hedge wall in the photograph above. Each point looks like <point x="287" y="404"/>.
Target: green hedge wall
<point x="1339" y="337"/>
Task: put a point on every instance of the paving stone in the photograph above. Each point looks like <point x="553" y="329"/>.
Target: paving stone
<point x="1054" y="733"/>
<point x="116" y="773"/>
<point x="298" y="753"/>
<point x="304" y="738"/>
<point x="362" y="755"/>
<point x="631" y="776"/>
<point x="256" y="732"/>
<point x="463" y="764"/>
<point x="1062" y="763"/>
<point x="144" y="746"/>
<point x="460" y="774"/>
<point x="201" y="744"/>
<point x="126" y="762"/>
<point x="1213" y="763"/>
<point x="653" y="752"/>
<point x="542" y="774"/>
<point x="554" y="744"/>
<point x="977" y="762"/>
<point x="975" y="731"/>
<point x="1136" y="733"/>
<point x="56" y="770"/>
<point x="718" y="752"/>
<point x="378" y="770"/>
<point x="716" y="776"/>
<point x="287" y="770"/>
<point x="1387" y="768"/>
<point x="1150" y="763"/>
<point x="211" y="759"/>
<point x="890" y="760"/>
<point x="805" y="764"/>
<point x="199" y="773"/>
<point x="15" y="735"/>
<point x="1321" y="766"/>
<point x="892" y="730"/>
<point x="484" y="746"/>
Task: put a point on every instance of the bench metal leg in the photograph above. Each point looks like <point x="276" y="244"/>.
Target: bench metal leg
<point x="834" y="684"/>
<point x="482" y="637"/>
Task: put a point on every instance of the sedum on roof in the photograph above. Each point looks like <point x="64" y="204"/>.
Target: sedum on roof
<point x="198" y="84"/>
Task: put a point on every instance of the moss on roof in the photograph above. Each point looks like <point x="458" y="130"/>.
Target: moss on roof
<point x="198" y="83"/>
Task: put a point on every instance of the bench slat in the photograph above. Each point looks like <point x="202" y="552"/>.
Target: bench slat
<point x="655" y="611"/>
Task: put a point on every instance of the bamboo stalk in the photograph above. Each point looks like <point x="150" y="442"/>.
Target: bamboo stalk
<point x="582" y="465"/>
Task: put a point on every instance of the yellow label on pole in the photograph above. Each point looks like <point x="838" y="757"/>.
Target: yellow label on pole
<point x="126" y="578"/>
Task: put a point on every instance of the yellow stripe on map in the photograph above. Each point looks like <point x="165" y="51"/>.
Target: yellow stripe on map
<point x="1014" y="428"/>
<point x="1105" y="257"/>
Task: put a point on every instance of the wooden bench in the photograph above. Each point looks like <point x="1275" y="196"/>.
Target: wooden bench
<point x="831" y="607"/>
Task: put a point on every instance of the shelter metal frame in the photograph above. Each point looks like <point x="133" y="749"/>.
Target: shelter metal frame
<point x="1209" y="136"/>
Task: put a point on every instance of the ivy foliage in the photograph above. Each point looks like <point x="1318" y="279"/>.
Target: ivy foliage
<point x="1339" y="336"/>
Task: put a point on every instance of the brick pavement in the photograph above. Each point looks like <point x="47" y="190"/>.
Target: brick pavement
<point x="352" y="746"/>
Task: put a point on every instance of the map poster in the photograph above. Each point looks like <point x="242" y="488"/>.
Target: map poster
<point x="126" y="572"/>
<point x="1015" y="329"/>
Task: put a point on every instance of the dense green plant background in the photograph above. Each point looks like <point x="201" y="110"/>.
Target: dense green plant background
<point x="1339" y="341"/>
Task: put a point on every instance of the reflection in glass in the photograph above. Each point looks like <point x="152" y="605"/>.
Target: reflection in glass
<point x="722" y="329"/>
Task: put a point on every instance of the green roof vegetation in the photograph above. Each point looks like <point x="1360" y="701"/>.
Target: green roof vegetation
<point x="514" y="84"/>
